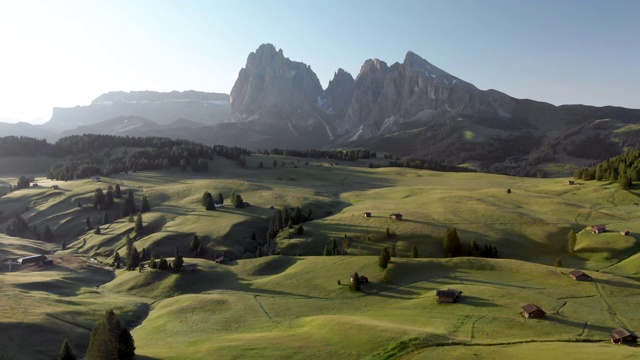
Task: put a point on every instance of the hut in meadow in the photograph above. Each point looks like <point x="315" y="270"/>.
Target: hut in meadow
<point x="448" y="295"/>
<point x="533" y="311"/>
<point x="623" y="336"/>
<point x="579" y="275"/>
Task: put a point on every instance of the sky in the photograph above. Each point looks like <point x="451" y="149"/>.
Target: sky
<point x="65" y="53"/>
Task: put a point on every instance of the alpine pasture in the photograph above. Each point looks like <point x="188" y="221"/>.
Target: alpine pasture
<point x="298" y="304"/>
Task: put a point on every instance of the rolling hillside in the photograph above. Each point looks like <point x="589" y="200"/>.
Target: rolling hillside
<point x="291" y="305"/>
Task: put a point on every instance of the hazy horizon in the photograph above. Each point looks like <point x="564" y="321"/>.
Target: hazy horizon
<point x="67" y="53"/>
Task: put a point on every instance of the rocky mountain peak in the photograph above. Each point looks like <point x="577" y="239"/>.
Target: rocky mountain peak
<point x="271" y="81"/>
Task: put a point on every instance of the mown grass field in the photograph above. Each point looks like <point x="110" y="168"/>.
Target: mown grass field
<point x="291" y="306"/>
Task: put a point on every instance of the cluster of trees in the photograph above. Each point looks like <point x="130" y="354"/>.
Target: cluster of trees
<point x="332" y="249"/>
<point x="284" y="218"/>
<point x="25" y="146"/>
<point x="339" y="154"/>
<point x="209" y="202"/>
<point x="163" y="264"/>
<point x="110" y="339"/>
<point x="87" y="153"/>
<point x="426" y="165"/>
<point x="452" y="247"/>
<point x="624" y="169"/>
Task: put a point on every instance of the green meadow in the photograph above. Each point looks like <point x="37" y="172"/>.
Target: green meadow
<point x="297" y="304"/>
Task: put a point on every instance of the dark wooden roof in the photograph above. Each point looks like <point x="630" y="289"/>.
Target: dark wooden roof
<point x="32" y="259"/>
<point x="576" y="273"/>
<point x="622" y="333"/>
<point x="529" y="308"/>
<point x="598" y="226"/>
<point x="448" y="293"/>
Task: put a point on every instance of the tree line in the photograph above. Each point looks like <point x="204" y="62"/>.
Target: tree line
<point x="623" y="169"/>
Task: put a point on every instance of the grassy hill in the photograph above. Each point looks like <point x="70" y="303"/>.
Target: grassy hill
<point x="291" y="305"/>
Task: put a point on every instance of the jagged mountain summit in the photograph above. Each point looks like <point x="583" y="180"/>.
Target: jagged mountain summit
<point x="414" y="108"/>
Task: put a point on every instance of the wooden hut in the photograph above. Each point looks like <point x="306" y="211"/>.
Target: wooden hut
<point x="598" y="229"/>
<point x="579" y="275"/>
<point x="448" y="295"/>
<point x="533" y="311"/>
<point x="190" y="267"/>
<point x="624" y="232"/>
<point x="571" y="182"/>
<point x="396" y="216"/>
<point x="33" y="259"/>
<point x="367" y="214"/>
<point x="623" y="336"/>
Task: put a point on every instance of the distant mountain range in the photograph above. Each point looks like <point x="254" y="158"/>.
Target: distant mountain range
<point x="413" y="109"/>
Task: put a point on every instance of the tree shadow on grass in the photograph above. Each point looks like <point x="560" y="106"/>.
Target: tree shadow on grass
<point x="614" y="283"/>
<point x="579" y="325"/>
<point x="477" y="301"/>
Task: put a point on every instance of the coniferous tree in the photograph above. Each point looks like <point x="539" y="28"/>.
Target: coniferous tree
<point x="108" y="198"/>
<point x="571" y="241"/>
<point x="383" y="259"/>
<point x="105" y="218"/>
<point x="117" y="193"/>
<point x="18" y="226"/>
<point x="129" y="206"/>
<point x="195" y="244"/>
<point x="393" y="250"/>
<point x="334" y="247"/>
<point x="63" y="245"/>
<point x="238" y="203"/>
<point x="133" y="259"/>
<point x="210" y="205"/>
<point x="300" y="231"/>
<point x="253" y="235"/>
<point x="66" y="352"/>
<point x="97" y="231"/>
<point x="87" y="223"/>
<point x="327" y="251"/>
<point x="355" y="283"/>
<point x="220" y="199"/>
<point x="205" y="197"/>
<point x="48" y="234"/>
<point x="107" y="340"/>
<point x="23" y="183"/>
<point x="163" y="264"/>
<point x="139" y="228"/>
<point x="98" y="198"/>
<point x="414" y="252"/>
<point x="387" y="233"/>
<point x="145" y="205"/>
<point x="452" y="246"/>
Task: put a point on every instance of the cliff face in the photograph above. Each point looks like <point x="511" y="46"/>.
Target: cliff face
<point x="161" y="108"/>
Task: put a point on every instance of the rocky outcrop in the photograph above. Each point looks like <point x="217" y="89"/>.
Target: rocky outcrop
<point x="337" y="97"/>
<point x="161" y="108"/>
<point x="269" y="82"/>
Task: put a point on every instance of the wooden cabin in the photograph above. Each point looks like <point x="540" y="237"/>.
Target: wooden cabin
<point x="367" y="214"/>
<point x="623" y="336"/>
<point x="579" y="275"/>
<point x="448" y="295"/>
<point x="624" y="232"/>
<point x="55" y="187"/>
<point x="190" y="267"/>
<point x="533" y="311"/>
<point x="571" y="182"/>
<point x="33" y="259"/>
<point x="598" y="229"/>
<point x="396" y="216"/>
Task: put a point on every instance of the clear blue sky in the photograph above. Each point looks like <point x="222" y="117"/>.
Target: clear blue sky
<point x="65" y="53"/>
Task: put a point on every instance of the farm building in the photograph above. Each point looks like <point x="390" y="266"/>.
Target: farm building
<point x="396" y="216"/>
<point x="598" y="229"/>
<point x="55" y="187"/>
<point x="623" y="336"/>
<point x="448" y="295"/>
<point x="33" y="259"/>
<point x="624" y="232"/>
<point x="222" y="260"/>
<point x="367" y="214"/>
<point x="190" y="267"/>
<point x="533" y="311"/>
<point x="571" y="182"/>
<point x="579" y="275"/>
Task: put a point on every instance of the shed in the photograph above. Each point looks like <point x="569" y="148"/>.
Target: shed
<point x="190" y="267"/>
<point x="33" y="259"/>
<point x="55" y="187"/>
<point x="367" y="214"/>
<point x="571" y="182"/>
<point x="624" y="232"/>
<point x="533" y="311"/>
<point x="221" y="260"/>
<point x="623" y="336"/>
<point x="598" y="229"/>
<point x="448" y="295"/>
<point x="579" y="275"/>
<point x="396" y="216"/>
